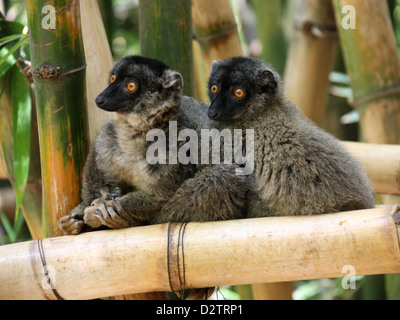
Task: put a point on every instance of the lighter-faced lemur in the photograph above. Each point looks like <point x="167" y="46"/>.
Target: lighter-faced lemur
<point x="299" y="169"/>
<point x="120" y="188"/>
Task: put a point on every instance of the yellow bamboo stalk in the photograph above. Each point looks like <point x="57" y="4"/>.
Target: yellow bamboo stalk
<point x="311" y="57"/>
<point x="99" y="63"/>
<point x="215" y="30"/>
<point x="3" y="175"/>
<point x="382" y="163"/>
<point x="273" y="291"/>
<point x="150" y="258"/>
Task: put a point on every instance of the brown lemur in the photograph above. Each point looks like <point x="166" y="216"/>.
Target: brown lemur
<point x="120" y="187"/>
<point x="299" y="169"/>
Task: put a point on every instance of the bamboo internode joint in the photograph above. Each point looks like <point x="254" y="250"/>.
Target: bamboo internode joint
<point x="315" y="29"/>
<point x="221" y="33"/>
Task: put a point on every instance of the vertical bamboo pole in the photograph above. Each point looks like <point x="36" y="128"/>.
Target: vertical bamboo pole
<point x="58" y="65"/>
<point x="99" y="63"/>
<point x="372" y="62"/>
<point x="371" y="57"/>
<point x="215" y="30"/>
<point x="270" y="31"/>
<point x="166" y="34"/>
<point x="2" y="172"/>
<point x="311" y="57"/>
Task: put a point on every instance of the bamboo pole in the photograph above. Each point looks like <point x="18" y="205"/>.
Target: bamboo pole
<point x="273" y="291"/>
<point x="382" y="163"/>
<point x="311" y="57"/>
<point x="3" y="175"/>
<point x="166" y="34"/>
<point x="150" y="258"/>
<point x="58" y="64"/>
<point x="270" y="30"/>
<point x="215" y="30"/>
<point x="371" y="58"/>
<point x="99" y="63"/>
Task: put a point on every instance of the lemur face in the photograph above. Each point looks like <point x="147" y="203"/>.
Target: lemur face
<point x="138" y="83"/>
<point x="235" y="83"/>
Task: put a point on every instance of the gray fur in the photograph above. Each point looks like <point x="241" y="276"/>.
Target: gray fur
<point x="299" y="168"/>
<point x="121" y="189"/>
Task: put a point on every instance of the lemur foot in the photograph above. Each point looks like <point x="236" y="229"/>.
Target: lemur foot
<point x="72" y="224"/>
<point x="109" y="213"/>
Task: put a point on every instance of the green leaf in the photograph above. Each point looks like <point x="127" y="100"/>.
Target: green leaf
<point x="12" y="231"/>
<point x="10" y="38"/>
<point x="8" y="63"/>
<point x="5" y="57"/>
<point x="10" y="27"/>
<point x="22" y="134"/>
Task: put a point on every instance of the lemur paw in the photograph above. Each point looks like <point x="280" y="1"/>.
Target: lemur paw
<point x="109" y="213"/>
<point x="108" y="194"/>
<point x="72" y="224"/>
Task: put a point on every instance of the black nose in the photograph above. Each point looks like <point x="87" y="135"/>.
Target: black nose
<point x="100" y="101"/>
<point x="213" y="115"/>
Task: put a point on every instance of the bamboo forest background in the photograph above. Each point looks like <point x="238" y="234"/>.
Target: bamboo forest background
<point x="265" y="29"/>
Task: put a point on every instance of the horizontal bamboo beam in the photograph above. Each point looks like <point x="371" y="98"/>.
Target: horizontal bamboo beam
<point x="107" y="263"/>
<point x="382" y="163"/>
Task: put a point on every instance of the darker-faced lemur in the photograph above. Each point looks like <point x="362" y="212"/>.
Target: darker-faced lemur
<point x="299" y="169"/>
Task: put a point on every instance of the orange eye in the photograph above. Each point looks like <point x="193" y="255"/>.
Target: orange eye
<point x="132" y="86"/>
<point x="239" y="93"/>
<point x="214" y="89"/>
<point x="113" y="78"/>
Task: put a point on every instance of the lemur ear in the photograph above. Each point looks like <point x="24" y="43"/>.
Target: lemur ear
<point x="213" y="65"/>
<point x="172" y="78"/>
<point x="268" y="80"/>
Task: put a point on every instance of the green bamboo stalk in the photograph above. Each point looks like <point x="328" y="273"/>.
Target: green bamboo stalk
<point x="58" y="64"/>
<point x="270" y="32"/>
<point x="373" y="65"/>
<point x="166" y="34"/>
<point x="371" y="58"/>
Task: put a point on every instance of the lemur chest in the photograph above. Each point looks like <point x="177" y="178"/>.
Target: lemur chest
<point x="128" y="167"/>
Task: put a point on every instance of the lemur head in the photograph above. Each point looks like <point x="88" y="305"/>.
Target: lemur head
<point x="138" y="85"/>
<point x="238" y="85"/>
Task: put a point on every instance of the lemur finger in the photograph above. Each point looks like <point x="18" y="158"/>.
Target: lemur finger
<point x="117" y="220"/>
<point x="106" y="217"/>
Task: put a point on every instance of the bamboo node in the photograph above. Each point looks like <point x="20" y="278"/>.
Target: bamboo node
<point x="317" y="30"/>
<point x="377" y="95"/>
<point x="39" y="267"/>
<point x="175" y="249"/>
<point x="218" y="34"/>
<point x="47" y="71"/>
